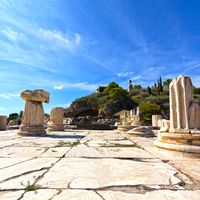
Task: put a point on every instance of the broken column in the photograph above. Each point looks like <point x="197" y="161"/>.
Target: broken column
<point x="155" y="119"/>
<point x="184" y="125"/>
<point x="3" y="123"/>
<point x="56" y="119"/>
<point x="33" y="115"/>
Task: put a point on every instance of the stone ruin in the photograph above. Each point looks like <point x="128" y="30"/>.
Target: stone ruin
<point x="129" y="119"/>
<point x="33" y="115"/>
<point x="56" y="119"/>
<point x="182" y="131"/>
<point x="155" y="120"/>
<point x="3" y="122"/>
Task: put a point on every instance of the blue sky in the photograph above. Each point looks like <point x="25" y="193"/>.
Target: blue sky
<point x="69" y="47"/>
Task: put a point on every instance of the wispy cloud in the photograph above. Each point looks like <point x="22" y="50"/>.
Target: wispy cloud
<point x="58" y="87"/>
<point x="8" y="95"/>
<point x="126" y="74"/>
<point x="80" y="86"/>
<point x="59" y="39"/>
<point x="11" y="34"/>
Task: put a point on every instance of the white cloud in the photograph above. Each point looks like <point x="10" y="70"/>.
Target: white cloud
<point x="59" y="39"/>
<point x="125" y="74"/>
<point x="8" y="95"/>
<point x="58" y="87"/>
<point x="129" y="75"/>
<point x="11" y="34"/>
<point x="80" y="86"/>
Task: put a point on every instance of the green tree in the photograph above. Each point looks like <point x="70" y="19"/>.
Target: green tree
<point x="166" y="83"/>
<point x="148" y="109"/>
<point x="116" y="93"/>
<point x="111" y="86"/>
<point x="196" y="90"/>
<point x="149" y="90"/>
<point x="21" y="114"/>
<point x="138" y="87"/>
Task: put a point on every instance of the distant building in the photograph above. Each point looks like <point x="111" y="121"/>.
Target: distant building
<point x="100" y="89"/>
<point x="130" y="86"/>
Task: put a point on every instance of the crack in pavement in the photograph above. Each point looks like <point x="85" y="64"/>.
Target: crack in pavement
<point x="99" y="195"/>
<point x="17" y="163"/>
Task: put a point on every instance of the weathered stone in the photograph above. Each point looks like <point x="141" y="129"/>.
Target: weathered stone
<point x="3" y="122"/>
<point x="77" y="194"/>
<point x="141" y="130"/>
<point x="184" y="112"/>
<point x="184" y="129"/>
<point x="129" y="169"/>
<point x="40" y="194"/>
<point x="155" y="119"/>
<point x="108" y="152"/>
<point x="11" y="195"/>
<point x="26" y="167"/>
<point x="33" y="115"/>
<point x="160" y="194"/>
<point x="164" y="125"/>
<point x="21" y="152"/>
<point x="56" y="119"/>
<point x="185" y="166"/>
<point x="90" y="173"/>
<point x="35" y="95"/>
<point x="6" y="162"/>
<point x="135" y="121"/>
<point x="22" y="181"/>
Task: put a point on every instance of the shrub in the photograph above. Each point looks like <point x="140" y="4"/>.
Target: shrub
<point x="148" y="109"/>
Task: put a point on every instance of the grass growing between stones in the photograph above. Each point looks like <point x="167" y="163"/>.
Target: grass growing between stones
<point x="67" y="144"/>
<point x="120" y="145"/>
<point x="30" y="187"/>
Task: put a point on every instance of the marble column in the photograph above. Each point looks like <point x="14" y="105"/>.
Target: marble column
<point x="155" y="119"/>
<point x="33" y="115"/>
<point x="3" y="122"/>
<point x="56" y="119"/>
<point x="182" y="131"/>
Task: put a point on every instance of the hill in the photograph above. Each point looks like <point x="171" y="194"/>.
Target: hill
<point x="111" y="99"/>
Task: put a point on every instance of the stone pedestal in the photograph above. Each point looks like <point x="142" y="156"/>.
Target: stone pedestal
<point x="141" y="131"/>
<point x="3" y="123"/>
<point x="183" y="131"/>
<point x="56" y="119"/>
<point x="33" y="115"/>
<point x="155" y="119"/>
<point x="135" y="121"/>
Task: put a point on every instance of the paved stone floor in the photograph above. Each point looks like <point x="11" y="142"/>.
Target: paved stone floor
<point x="94" y="165"/>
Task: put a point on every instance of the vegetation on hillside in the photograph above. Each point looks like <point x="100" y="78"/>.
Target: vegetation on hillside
<point x="113" y="99"/>
<point x="151" y="100"/>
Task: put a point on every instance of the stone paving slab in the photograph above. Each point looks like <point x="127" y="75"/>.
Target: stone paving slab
<point x="77" y="195"/>
<point x="160" y="194"/>
<point x="22" y="181"/>
<point x="82" y="164"/>
<point x="90" y="173"/>
<point x="11" y="195"/>
<point x="55" y="152"/>
<point x="21" y="152"/>
<point x="26" y="167"/>
<point x="188" y="167"/>
<point x="108" y="152"/>
<point x="148" y="145"/>
<point x="104" y="135"/>
<point x="46" y="194"/>
<point x="6" y="162"/>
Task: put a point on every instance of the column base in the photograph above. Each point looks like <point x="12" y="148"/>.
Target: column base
<point x="31" y="131"/>
<point x="184" y="142"/>
<point x="55" y="128"/>
<point x="124" y="128"/>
